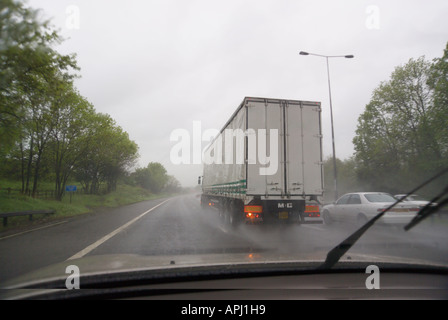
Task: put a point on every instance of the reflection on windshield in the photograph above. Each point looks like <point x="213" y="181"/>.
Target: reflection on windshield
<point x="379" y="198"/>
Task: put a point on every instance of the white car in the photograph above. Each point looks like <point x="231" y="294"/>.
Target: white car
<point x="415" y="199"/>
<point x="360" y="207"/>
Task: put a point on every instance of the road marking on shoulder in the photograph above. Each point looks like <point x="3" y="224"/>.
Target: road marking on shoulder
<point x="96" y="244"/>
<point x="28" y="231"/>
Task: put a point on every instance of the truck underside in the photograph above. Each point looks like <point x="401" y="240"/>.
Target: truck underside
<point x="234" y="212"/>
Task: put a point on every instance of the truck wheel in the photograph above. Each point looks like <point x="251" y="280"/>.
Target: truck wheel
<point x="232" y="222"/>
<point x="222" y="212"/>
<point x="300" y="219"/>
<point x="237" y="212"/>
<point x="203" y="203"/>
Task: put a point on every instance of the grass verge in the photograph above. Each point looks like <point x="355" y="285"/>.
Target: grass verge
<point x="79" y="204"/>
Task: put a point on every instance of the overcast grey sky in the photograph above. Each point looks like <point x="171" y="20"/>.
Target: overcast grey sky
<point x="158" y="65"/>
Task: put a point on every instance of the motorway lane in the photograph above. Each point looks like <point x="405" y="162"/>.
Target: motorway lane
<point x="180" y="227"/>
<point x="29" y="251"/>
<point x="177" y="227"/>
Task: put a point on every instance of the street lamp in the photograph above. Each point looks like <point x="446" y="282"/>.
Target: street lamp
<point x="335" y="172"/>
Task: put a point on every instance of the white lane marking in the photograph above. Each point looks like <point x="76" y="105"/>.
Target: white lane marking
<point x="95" y="245"/>
<point x="44" y="227"/>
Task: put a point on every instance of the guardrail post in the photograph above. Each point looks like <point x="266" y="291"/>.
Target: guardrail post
<point x="6" y="215"/>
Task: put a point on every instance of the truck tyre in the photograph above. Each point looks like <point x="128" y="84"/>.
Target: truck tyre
<point x="204" y="203"/>
<point x="222" y="212"/>
<point x="300" y="218"/>
<point x="232" y="221"/>
<point x="236" y="213"/>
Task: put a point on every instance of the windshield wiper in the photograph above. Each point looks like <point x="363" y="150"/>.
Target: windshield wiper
<point x="429" y="209"/>
<point x="337" y="252"/>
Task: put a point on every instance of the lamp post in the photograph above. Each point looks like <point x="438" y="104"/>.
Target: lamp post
<point x="335" y="172"/>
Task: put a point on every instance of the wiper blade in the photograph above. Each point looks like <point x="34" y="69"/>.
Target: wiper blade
<point x="429" y="209"/>
<point x="337" y="252"/>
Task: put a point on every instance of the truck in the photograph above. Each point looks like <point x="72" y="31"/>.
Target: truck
<point x="265" y="166"/>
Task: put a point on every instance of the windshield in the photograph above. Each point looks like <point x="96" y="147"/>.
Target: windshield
<point x="380" y="197"/>
<point x="165" y="134"/>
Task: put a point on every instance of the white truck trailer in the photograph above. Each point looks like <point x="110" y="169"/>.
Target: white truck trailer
<point x="265" y="166"/>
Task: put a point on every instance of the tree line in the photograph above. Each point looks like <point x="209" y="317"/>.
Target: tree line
<point x="48" y="130"/>
<point x="402" y="135"/>
<point x="155" y="178"/>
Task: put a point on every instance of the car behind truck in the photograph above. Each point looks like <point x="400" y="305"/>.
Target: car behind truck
<point x="265" y="166"/>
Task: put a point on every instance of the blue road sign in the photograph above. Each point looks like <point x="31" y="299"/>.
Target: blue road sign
<point x="70" y="188"/>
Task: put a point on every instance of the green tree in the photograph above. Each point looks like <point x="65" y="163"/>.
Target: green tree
<point x="26" y="60"/>
<point x="120" y="155"/>
<point x="347" y="178"/>
<point x="70" y="137"/>
<point x="397" y="142"/>
<point x="109" y="155"/>
<point x="47" y="129"/>
<point x="438" y="81"/>
<point x="30" y="74"/>
<point x="154" y="177"/>
<point x="172" y="185"/>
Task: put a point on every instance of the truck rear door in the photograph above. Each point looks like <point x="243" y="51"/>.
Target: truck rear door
<point x="268" y="116"/>
<point x="297" y="146"/>
<point x="303" y="148"/>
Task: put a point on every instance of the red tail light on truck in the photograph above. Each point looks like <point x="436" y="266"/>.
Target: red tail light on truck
<point x="312" y="211"/>
<point x="253" y="209"/>
<point x="253" y="212"/>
